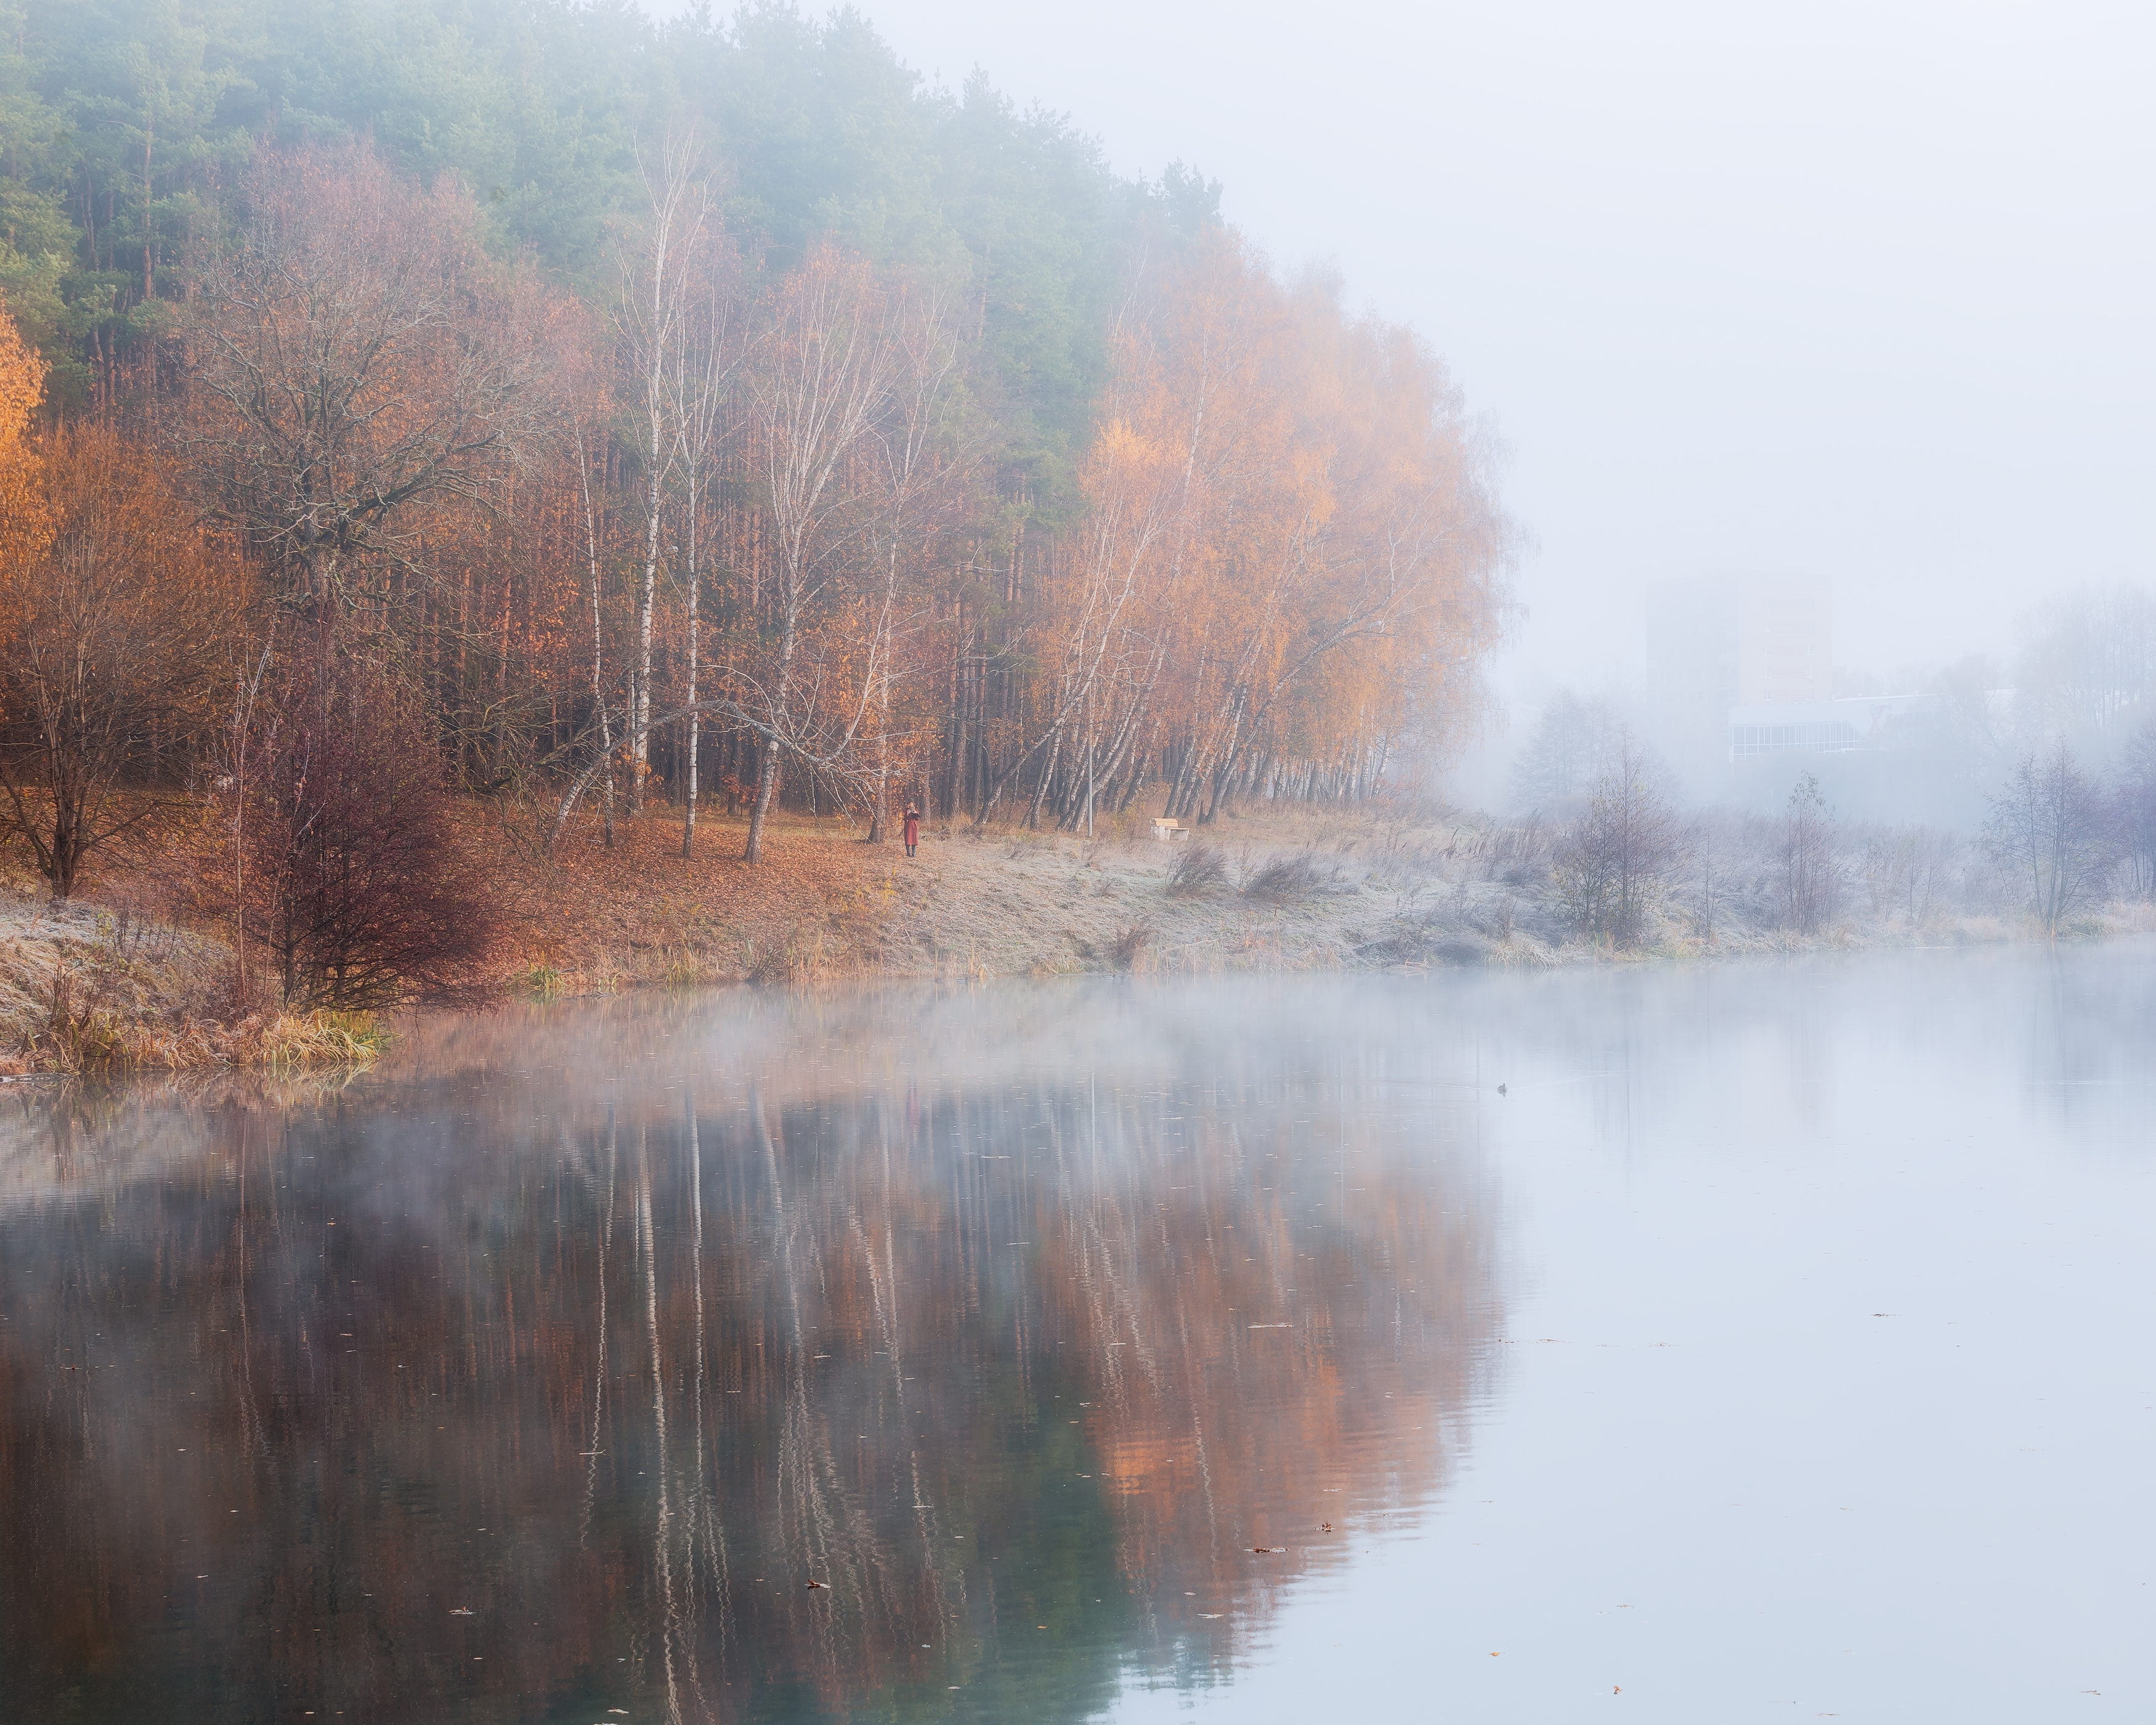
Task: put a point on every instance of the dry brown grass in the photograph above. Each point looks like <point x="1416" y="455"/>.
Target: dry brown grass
<point x="114" y="980"/>
<point x="589" y="920"/>
<point x="141" y="976"/>
<point x="1198" y="870"/>
<point x="1284" y="880"/>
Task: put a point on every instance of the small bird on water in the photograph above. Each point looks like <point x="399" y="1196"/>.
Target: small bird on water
<point x="1500" y="1090"/>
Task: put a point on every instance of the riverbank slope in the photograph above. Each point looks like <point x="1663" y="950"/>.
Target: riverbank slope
<point x="128" y="976"/>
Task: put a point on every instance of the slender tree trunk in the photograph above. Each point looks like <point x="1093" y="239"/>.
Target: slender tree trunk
<point x="957" y="725"/>
<point x="1089" y="773"/>
<point x="696" y="719"/>
<point x="883" y="772"/>
<point x="1047" y="774"/>
<point x="767" y="777"/>
<point x="598" y="684"/>
<point x="639" y="697"/>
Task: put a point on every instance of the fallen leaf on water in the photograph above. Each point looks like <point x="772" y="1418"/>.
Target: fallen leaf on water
<point x="819" y="1586"/>
<point x="1325" y="1527"/>
<point x="460" y="1611"/>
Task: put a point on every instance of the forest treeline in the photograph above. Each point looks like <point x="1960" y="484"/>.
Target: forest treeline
<point x="530" y="403"/>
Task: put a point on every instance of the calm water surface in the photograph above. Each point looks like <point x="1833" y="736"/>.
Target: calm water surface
<point x="1774" y="1343"/>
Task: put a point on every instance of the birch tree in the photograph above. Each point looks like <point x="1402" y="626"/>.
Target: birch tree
<point x="827" y="368"/>
<point x="708" y="359"/>
<point x="657" y="259"/>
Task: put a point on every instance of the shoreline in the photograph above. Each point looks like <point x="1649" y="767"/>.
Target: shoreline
<point x="118" y="981"/>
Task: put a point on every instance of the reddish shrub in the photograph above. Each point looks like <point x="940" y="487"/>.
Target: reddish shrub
<point x="356" y="882"/>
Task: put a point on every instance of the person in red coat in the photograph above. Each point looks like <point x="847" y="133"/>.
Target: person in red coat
<point x="912" y="829"/>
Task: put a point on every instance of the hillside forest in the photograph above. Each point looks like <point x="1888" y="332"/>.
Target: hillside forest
<point x="407" y="407"/>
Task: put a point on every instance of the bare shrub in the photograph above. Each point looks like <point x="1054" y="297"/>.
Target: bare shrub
<point x="1884" y="865"/>
<point x="1903" y="871"/>
<point x="351" y="877"/>
<point x="1131" y="938"/>
<point x="1711" y="882"/>
<point x="1930" y="866"/>
<point x="2048" y="830"/>
<point x="1614" y="862"/>
<point x="1811" y="876"/>
<point x="1199" y="869"/>
<point x="2134" y="810"/>
<point x="1285" y="880"/>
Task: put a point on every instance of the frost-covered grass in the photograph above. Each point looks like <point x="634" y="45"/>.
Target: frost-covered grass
<point x="86" y="987"/>
<point x="1408" y="884"/>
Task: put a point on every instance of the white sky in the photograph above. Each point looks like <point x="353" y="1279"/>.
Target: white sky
<point x="1861" y="294"/>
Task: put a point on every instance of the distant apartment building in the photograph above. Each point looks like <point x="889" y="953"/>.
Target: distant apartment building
<point x="1821" y="728"/>
<point x="1715" y="643"/>
<point x="1742" y="665"/>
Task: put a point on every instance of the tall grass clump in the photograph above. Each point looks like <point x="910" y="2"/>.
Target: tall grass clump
<point x="1199" y="869"/>
<point x="1285" y="880"/>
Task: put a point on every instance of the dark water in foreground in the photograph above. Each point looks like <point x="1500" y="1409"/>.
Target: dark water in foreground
<point x="1775" y="1344"/>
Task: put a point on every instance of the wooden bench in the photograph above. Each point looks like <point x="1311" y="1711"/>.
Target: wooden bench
<point x="1169" y="831"/>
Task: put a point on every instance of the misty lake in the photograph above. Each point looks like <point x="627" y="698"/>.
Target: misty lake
<point x="1770" y="1340"/>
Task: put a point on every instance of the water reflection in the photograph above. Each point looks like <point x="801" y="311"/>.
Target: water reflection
<point x="937" y="1356"/>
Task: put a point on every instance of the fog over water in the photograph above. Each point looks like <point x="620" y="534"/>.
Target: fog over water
<point x="1773" y="1338"/>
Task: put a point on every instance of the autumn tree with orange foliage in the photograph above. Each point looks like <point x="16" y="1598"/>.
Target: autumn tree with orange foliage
<point x="749" y="528"/>
<point x="757" y="544"/>
<point x="116" y="611"/>
<point x="1290" y="557"/>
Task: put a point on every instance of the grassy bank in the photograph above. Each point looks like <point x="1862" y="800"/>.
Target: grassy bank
<point x="127" y="977"/>
<point x="1280" y="890"/>
<point x="87" y="986"/>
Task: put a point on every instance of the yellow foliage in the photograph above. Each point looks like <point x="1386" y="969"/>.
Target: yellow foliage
<point x="22" y="382"/>
<point x="23" y="528"/>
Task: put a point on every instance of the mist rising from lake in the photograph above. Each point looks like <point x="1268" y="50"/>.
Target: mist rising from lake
<point x="1770" y="1338"/>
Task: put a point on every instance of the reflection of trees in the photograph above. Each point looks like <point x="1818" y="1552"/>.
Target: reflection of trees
<point x="621" y="1381"/>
